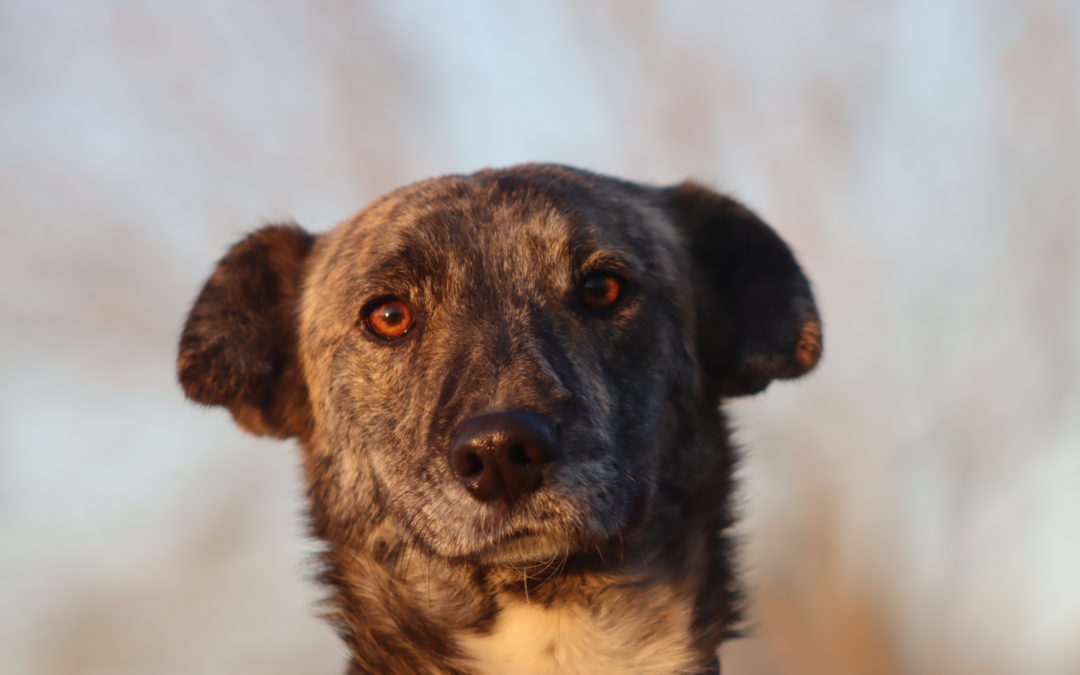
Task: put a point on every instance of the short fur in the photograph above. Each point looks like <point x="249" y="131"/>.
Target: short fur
<point x="620" y="562"/>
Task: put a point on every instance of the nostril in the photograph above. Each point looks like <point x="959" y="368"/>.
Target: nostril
<point x="468" y="464"/>
<point x="519" y="455"/>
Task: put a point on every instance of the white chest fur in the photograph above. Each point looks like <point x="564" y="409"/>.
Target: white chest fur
<point x="568" y="640"/>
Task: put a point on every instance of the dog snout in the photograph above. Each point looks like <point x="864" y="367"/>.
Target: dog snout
<point x="503" y="456"/>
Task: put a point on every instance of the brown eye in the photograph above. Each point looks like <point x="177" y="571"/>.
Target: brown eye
<point x="600" y="290"/>
<point x="390" y="319"/>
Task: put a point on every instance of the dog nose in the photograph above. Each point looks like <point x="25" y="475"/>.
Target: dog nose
<point x="502" y="455"/>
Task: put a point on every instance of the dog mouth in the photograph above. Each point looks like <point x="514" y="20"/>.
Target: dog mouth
<point x="523" y="547"/>
<point x="570" y="518"/>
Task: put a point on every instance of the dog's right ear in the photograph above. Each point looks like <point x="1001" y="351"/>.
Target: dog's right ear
<point x="239" y="345"/>
<point x="757" y="320"/>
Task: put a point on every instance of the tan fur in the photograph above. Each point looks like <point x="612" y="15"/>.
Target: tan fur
<point x="642" y="635"/>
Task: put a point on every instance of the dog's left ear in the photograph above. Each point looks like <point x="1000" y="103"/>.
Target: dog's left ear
<point x="757" y="320"/>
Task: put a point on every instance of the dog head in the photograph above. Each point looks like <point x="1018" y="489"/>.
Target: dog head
<point x="506" y="365"/>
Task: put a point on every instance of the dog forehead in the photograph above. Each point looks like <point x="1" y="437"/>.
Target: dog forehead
<point x="481" y="228"/>
<point x="520" y="221"/>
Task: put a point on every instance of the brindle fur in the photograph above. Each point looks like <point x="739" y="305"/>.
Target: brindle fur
<point x="632" y="518"/>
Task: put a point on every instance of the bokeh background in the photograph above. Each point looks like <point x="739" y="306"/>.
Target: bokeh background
<point x="913" y="507"/>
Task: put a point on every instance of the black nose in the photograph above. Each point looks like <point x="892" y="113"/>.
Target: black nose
<point x="502" y="456"/>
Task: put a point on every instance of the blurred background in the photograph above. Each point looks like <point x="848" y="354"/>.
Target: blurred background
<point x="913" y="507"/>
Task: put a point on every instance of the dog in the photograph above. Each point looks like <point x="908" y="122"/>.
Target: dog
<point x="507" y="387"/>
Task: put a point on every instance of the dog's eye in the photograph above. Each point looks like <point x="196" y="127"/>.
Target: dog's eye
<point x="600" y="290"/>
<point x="390" y="318"/>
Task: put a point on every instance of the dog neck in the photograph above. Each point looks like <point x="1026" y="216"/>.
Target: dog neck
<point x="401" y="609"/>
<point x="619" y="630"/>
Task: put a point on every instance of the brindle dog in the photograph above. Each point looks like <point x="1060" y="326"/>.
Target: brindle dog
<point x="507" y="388"/>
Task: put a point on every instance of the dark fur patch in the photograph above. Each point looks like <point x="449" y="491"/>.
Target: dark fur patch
<point x="759" y="321"/>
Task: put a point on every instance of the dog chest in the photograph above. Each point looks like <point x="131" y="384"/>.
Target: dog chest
<point x="528" y="639"/>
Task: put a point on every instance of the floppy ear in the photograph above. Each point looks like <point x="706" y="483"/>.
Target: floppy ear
<point x="238" y="347"/>
<point x="757" y="320"/>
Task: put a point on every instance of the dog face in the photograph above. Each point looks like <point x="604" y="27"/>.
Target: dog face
<point x="492" y="278"/>
<point x="507" y="366"/>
